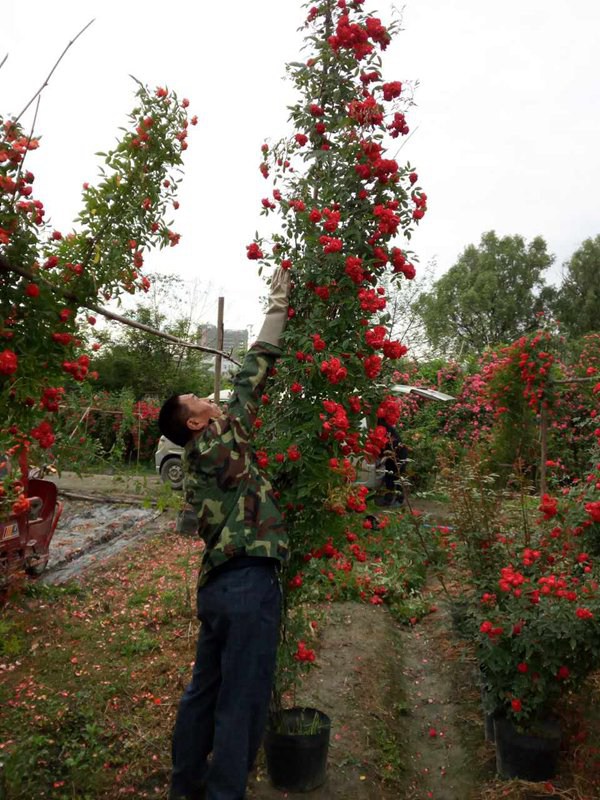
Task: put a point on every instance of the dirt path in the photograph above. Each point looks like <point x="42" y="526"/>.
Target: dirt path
<point x="449" y="756"/>
<point x="396" y="697"/>
<point x="355" y="686"/>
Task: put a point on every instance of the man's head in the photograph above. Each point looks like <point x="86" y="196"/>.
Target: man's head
<point x="184" y="415"/>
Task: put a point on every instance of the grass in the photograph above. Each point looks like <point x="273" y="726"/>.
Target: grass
<point x="91" y="678"/>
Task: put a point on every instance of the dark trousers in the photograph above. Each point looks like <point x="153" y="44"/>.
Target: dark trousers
<point x="222" y="713"/>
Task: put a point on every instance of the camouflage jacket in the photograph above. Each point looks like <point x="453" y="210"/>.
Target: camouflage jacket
<point x="237" y="512"/>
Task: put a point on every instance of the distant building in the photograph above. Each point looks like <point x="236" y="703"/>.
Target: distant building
<point x="234" y="342"/>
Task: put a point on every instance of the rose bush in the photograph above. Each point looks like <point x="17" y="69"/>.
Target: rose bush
<point x="47" y="277"/>
<point x="343" y="212"/>
<point x="537" y="619"/>
<point x="341" y="203"/>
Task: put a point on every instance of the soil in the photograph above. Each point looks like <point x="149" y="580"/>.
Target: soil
<point x="90" y="532"/>
<point x="397" y="704"/>
<point x="398" y="696"/>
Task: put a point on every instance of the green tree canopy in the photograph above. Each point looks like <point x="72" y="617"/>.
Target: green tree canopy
<point x="152" y="367"/>
<point x="577" y="303"/>
<point x="490" y="296"/>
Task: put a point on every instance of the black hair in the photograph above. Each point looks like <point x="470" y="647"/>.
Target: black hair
<point x="172" y="421"/>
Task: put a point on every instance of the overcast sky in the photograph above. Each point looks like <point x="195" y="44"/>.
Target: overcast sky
<point x="505" y="131"/>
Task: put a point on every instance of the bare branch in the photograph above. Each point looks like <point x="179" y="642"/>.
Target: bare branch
<point x="20" y="170"/>
<point x="60" y="58"/>
<point x="105" y="312"/>
<point x="3" y="62"/>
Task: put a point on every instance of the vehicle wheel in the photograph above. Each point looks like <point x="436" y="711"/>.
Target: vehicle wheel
<point x="171" y="472"/>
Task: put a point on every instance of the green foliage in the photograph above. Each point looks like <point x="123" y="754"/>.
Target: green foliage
<point x="577" y="302"/>
<point x="489" y="297"/>
<point x="66" y="744"/>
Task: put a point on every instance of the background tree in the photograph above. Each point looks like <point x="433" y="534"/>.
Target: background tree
<point x="152" y="367"/>
<point x="577" y="303"/>
<point x="490" y="296"/>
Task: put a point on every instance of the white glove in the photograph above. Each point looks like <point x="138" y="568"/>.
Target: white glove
<point x="277" y="310"/>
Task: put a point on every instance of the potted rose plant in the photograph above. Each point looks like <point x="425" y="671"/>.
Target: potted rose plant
<point x="341" y="200"/>
<point x="537" y="639"/>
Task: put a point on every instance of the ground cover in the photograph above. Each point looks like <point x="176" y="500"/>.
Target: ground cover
<point x="91" y="673"/>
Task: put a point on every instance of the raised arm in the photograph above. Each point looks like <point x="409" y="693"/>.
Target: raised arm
<point x="249" y="383"/>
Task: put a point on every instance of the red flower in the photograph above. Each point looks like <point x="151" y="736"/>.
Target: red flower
<point x="391" y="90"/>
<point x="44" y="434"/>
<point x="32" y="290"/>
<point x="8" y="362"/>
<point x="253" y="251"/>
<point x="372" y="365"/>
<point x="296" y="581"/>
<point x="330" y="244"/>
<point x="375" y="337"/>
<point x="584" y="613"/>
<point x="293" y="453"/>
<point x="354" y="269"/>
<point x="365" y="112"/>
<point x="303" y="653"/>
<point x="397" y="127"/>
<point x="318" y="343"/>
<point x="333" y="370"/>
<point x="516" y="705"/>
<point x="593" y="509"/>
<point x="394" y="350"/>
<point x="262" y="459"/>
<point x="563" y="673"/>
<point x="21" y="505"/>
<point x="301" y="138"/>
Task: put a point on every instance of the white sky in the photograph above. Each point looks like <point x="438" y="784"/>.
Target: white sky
<point x="507" y="118"/>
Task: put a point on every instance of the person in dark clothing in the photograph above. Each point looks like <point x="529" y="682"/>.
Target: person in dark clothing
<point x="393" y="461"/>
<point x="223" y="711"/>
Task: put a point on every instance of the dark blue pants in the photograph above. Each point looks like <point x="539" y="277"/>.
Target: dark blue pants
<point x="222" y="713"/>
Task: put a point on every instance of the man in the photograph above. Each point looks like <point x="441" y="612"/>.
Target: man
<point x="222" y="713"/>
<point x="393" y="461"/>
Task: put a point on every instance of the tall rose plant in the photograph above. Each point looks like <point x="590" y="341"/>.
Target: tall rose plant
<point x="346" y="209"/>
<point x="49" y="278"/>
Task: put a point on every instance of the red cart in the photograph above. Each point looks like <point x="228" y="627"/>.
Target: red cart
<point x="25" y="537"/>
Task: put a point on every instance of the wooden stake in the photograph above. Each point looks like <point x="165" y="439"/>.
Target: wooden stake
<point x="543" y="448"/>
<point x="218" y="360"/>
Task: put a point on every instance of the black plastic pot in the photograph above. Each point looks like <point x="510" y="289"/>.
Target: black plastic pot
<point x="489" y="713"/>
<point x="530" y="756"/>
<point x="489" y="722"/>
<point x="297" y="751"/>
